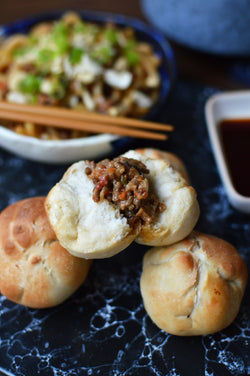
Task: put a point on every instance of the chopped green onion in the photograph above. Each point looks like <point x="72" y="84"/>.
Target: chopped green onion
<point x="75" y="55"/>
<point x="60" y="28"/>
<point x="60" y="35"/>
<point x="103" y="54"/>
<point x="130" y="52"/>
<point x="21" y="51"/>
<point x="111" y="35"/>
<point x="62" y="45"/>
<point x="45" y="55"/>
<point x="58" y="90"/>
<point x="79" y="27"/>
<point x="30" y="84"/>
<point x="131" y="56"/>
<point x="33" y="39"/>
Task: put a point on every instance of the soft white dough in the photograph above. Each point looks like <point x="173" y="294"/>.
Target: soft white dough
<point x="84" y="227"/>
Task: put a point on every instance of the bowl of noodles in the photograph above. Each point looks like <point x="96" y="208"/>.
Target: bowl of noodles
<point x="94" y="62"/>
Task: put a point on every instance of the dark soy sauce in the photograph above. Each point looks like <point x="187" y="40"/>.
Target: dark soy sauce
<point x="235" y="137"/>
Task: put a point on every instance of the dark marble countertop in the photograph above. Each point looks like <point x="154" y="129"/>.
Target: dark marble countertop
<point x="103" y="328"/>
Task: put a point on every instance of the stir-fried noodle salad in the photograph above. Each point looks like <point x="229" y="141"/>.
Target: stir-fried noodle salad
<point x="81" y="65"/>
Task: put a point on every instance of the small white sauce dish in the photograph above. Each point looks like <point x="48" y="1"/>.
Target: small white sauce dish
<point x="219" y="107"/>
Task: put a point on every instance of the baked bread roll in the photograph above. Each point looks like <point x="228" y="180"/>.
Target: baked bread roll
<point x="35" y="270"/>
<point x="181" y="206"/>
<point x="170" y="158"/>
<point x="194" y="287"/>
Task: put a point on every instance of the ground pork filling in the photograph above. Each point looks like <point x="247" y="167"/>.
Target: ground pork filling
<point x="122" y="182"/>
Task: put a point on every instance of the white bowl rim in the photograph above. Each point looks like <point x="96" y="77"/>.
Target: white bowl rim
<point x="95" y="139"/>
<point x="57" y="151"/>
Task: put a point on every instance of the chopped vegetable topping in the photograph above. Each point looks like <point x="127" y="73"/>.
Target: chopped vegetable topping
<point x="79" y="27"/>
<point x="30" y="84"/>
<point x="45" y="55"/>
<point x="75" y="55"/>
<point x="111" y="35"/>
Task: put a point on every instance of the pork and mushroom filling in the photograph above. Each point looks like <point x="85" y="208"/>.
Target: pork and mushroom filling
<point x="122" y="181"/>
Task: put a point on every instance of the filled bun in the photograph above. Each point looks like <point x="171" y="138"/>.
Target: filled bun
<point x="170" y="158"/>
<point x="181" y="211"/>
<point x="90" y="225"/>
<point x="97" y="210"/>
<point x="35" y="270"/>
<point x="194" y="287"/>
<point x="84" y="227"/>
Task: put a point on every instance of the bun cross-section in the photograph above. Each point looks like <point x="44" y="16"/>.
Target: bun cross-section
<point x="98" y="209"/>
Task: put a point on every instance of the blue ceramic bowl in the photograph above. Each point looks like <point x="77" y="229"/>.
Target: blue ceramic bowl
<point x="219" y="27"/>
<point x="67" y="151"/>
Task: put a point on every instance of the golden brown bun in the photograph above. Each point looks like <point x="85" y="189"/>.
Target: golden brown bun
<point x="193" y="287"/>
<point x="182" y="209"/>
<point x="170" y="158"/>
<point x="35" y="270"/>
<point x="86" y="228"/>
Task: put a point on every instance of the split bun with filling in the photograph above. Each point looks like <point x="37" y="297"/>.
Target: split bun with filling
<point x="97" y="210"/>
<point x="84" y="227"/>
<point x="35" y="270"/>
<point x="194" y="287"/>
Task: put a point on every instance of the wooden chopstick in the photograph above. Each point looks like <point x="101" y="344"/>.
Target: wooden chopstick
<point x="85" y="121"/>
<point x="86" y="116"/>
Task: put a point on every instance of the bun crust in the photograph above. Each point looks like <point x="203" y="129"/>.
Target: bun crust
<point x="194" y="287"/>
<point x="86" y="228"/>
<point x="182" y="208"/>
<point x="35" y="270"/>
<point x="171" y="158"/>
